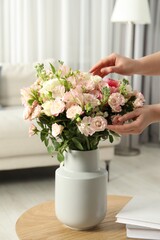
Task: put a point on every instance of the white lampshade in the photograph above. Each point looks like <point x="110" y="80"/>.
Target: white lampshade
<point x="135" y="11"/>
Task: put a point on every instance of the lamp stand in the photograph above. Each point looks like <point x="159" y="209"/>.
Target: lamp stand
<point x="127" y="149"/>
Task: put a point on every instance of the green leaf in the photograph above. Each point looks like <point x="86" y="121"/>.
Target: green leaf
<point x="46" y="141"/>
<point x="40" y="124"/>
<point x="60" y="156"/>
<point x="88" y="107"/>
<point x="106" y="94"/>
<point x="44" y="119"/>
<point x="77" y="143"/>
<point x="50" y="149"/>
<point x="125" y="81"/>
<point x="52" y="68"/>
<point x="104" y="137"/>
<point x="55" y="143"/>
<point x="111" y="138"/>
<point x="114" y="134"/>
<point x="30" y="101"/>
<point x="43" y="136"/>
<point x="94" y="142"/>
<point x="65" y="83"/>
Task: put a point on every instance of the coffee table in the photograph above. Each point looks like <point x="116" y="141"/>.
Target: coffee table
<point x="40" y="223"/>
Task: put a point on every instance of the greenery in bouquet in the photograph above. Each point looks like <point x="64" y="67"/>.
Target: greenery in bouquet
<point x="71" y="109"/>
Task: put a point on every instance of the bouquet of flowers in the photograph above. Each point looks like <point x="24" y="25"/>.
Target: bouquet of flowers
<point x="71" y="109"/>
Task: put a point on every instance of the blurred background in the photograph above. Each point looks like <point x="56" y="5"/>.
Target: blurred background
<point x="78" y="32"/>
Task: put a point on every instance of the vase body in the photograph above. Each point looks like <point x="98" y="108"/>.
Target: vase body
<point x="80" y="190"/>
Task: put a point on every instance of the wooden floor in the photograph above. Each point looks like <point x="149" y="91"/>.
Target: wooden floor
<point x="20" y="190"/>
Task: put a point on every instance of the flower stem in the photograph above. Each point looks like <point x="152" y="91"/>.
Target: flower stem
<point x="88" y="143"/>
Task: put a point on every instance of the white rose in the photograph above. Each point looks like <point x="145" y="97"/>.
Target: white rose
<point x="73" y="111"/>
<point x="56" y="129"/>
<point x="47" y="107"/>
<point x="49" y="85"/>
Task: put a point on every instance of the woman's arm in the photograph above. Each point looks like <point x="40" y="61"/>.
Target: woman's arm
<point x="115" y="63"/>
<point x="149" y="65"/>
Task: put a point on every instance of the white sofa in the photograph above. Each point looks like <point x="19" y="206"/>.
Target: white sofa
<point x="17" y="149"/>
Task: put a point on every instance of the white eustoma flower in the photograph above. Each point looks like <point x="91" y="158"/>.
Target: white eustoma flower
<point x="48" y="86"/>
<point x="58" y="91"/>
<point x="90" y="98"/>
<point x="85" y="126"/>
<point x="58" y="106"/>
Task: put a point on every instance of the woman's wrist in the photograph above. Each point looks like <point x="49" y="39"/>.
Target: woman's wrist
<point x="154" y="112"/>
<point x="148" y="65"/>
<point x="139" y="67"/>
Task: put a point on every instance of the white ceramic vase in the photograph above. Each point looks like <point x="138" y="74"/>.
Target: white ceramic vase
<point x="80" y="190"/>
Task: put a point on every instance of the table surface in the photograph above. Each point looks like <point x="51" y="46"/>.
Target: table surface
<point x="40" y="223"/>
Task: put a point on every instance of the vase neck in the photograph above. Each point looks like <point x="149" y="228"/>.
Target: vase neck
<point x="82" y="161"/>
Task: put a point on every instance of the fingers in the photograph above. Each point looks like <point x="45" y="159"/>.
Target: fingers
<point x="104" y="71"/>
<point x="121" y="129"/>
<point x="99" y="73"/>
<point x="129" y="116"/>
<point x="104" y="63"/>
<point x="107" y="70"/>
<point x="127" y="128"/>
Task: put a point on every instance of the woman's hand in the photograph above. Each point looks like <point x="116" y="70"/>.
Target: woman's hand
<point x="140" y="119"/>
<point x="114" y="63"/>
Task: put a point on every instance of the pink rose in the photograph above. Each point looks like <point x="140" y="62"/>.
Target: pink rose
<point x="98" y="123"/>
<point x="139" y="100"/>
<point x="115" y="101"/>
<point x="112" y="84"/>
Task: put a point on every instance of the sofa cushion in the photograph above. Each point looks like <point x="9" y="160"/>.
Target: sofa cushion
<point x="14" y="139"/>
<point x="13" y="78"/>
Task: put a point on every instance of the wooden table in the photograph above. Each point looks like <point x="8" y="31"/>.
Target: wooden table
<point x="40" y="223"/>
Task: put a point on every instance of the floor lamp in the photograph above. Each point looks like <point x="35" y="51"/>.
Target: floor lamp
<point x="130" y="12"/>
